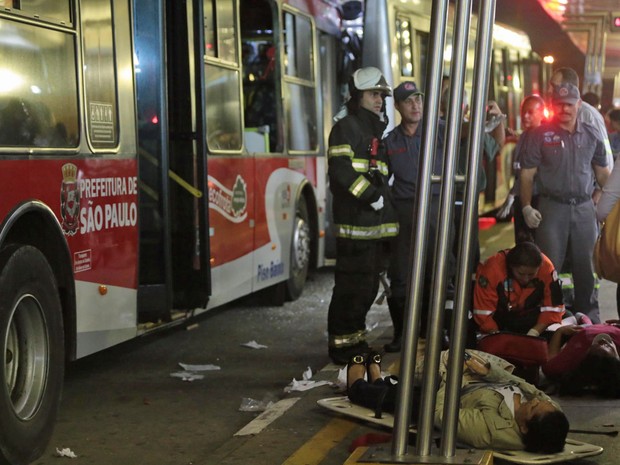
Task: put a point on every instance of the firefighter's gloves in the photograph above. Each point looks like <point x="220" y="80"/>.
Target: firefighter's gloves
<point x="532" y="216"/>
<point x="377" y="204"/>
<point x="504" y="210"/>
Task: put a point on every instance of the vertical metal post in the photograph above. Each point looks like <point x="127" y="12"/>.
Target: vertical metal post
<point x="439" y="20"/>
<point x="444" y="246"/>
<point x="486" y="18"/>
<point x="377" y="47"/>
<point x="419" y="238"/>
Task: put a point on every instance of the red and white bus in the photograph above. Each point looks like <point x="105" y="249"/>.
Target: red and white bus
<point x="157" y="159"/>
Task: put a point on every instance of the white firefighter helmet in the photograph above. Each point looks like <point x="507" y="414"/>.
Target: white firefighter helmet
<point x="370" y="78"/>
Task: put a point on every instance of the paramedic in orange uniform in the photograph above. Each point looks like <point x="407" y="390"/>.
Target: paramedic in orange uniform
<point x="517" y="290"/>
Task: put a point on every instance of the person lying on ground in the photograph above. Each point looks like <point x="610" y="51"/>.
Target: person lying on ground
<point x="498" y="410"/>
<point x="584" y="359"/>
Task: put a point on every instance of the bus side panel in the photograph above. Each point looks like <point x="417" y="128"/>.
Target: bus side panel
<point x="261" y="230"/>
<point x="232" y="195"/>
<point x="279" y="188"/>
<point x="95" y="201"/>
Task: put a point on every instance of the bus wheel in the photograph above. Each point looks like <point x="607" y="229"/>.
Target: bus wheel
<point x="300" y="253"/>
<point x="31" y="338"/>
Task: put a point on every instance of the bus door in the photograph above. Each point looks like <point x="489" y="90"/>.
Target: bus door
<point x="155" y="282"/>
<point x="187" y="170"/>
<point x="174" y="242"/>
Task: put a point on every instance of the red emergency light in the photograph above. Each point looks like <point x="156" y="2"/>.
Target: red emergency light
<point x="615" y="22"/>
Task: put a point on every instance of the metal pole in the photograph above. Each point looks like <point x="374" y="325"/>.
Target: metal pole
<point x="377" y="42"/>
<point x="486" y="18"/>
<point x="444" y="246"/>
<point x="439" y="20"/>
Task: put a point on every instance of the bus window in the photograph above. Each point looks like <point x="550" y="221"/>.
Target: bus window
<point x="301" y="114"/>
<point x="58" y="10"/>
<point x="220" y="31"/>
<point x="260" y="78"/>
<point x="503" y="90"/>
<point x="405" y="46"/>
<point x="99" y="76"/>
<point x="38" y="86"/>
<point x="422" y="43"/>
<point x="222" y="76"/>
<point x="532" y="71"/>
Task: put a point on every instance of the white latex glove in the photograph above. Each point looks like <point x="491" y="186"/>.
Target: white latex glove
<point x="532" y="216"/>
<point x="504" y="210"/>
<point x="377" y="204"/>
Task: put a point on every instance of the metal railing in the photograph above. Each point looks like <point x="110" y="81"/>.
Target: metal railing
<point x="424" y="451"/>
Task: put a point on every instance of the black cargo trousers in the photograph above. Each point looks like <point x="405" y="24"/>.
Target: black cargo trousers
<point x="359" y="262"/>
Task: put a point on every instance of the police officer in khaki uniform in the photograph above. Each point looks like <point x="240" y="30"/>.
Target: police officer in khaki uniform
<point x="566" y="156"/>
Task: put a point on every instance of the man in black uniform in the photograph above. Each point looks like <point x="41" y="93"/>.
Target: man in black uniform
<point x="363" y="214"/>
<point x="403" y="146"/>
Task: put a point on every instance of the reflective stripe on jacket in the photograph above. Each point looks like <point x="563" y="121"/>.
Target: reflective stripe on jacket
<point x="354" y="185"/>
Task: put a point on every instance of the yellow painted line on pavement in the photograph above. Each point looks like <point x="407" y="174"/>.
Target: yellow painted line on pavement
<point x="316" y="449"/>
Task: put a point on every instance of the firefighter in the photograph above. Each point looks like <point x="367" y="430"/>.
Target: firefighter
<point x="364" y="217"/>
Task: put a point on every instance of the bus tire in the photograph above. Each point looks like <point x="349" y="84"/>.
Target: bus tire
<point x="31" y="334"/>
<point x="300" y="251"/>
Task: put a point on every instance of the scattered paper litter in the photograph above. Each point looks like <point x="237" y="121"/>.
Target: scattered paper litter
<point x="190" y="371"/>
<point x="187" y="375"/>
<point x="306" y="382"/>
<point x="341" y="382"/>
<point x="304" y="385"/>
<point x="254" y="345"/>
<point x="207" y="367"/>
<point x="65" y="452"/>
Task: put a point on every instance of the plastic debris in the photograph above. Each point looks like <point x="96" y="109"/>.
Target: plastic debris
<point x="372" y="325"/>
<point x="254" y="345"/>
<point x="252" y="405"/>
<point x="65" y="452"/>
